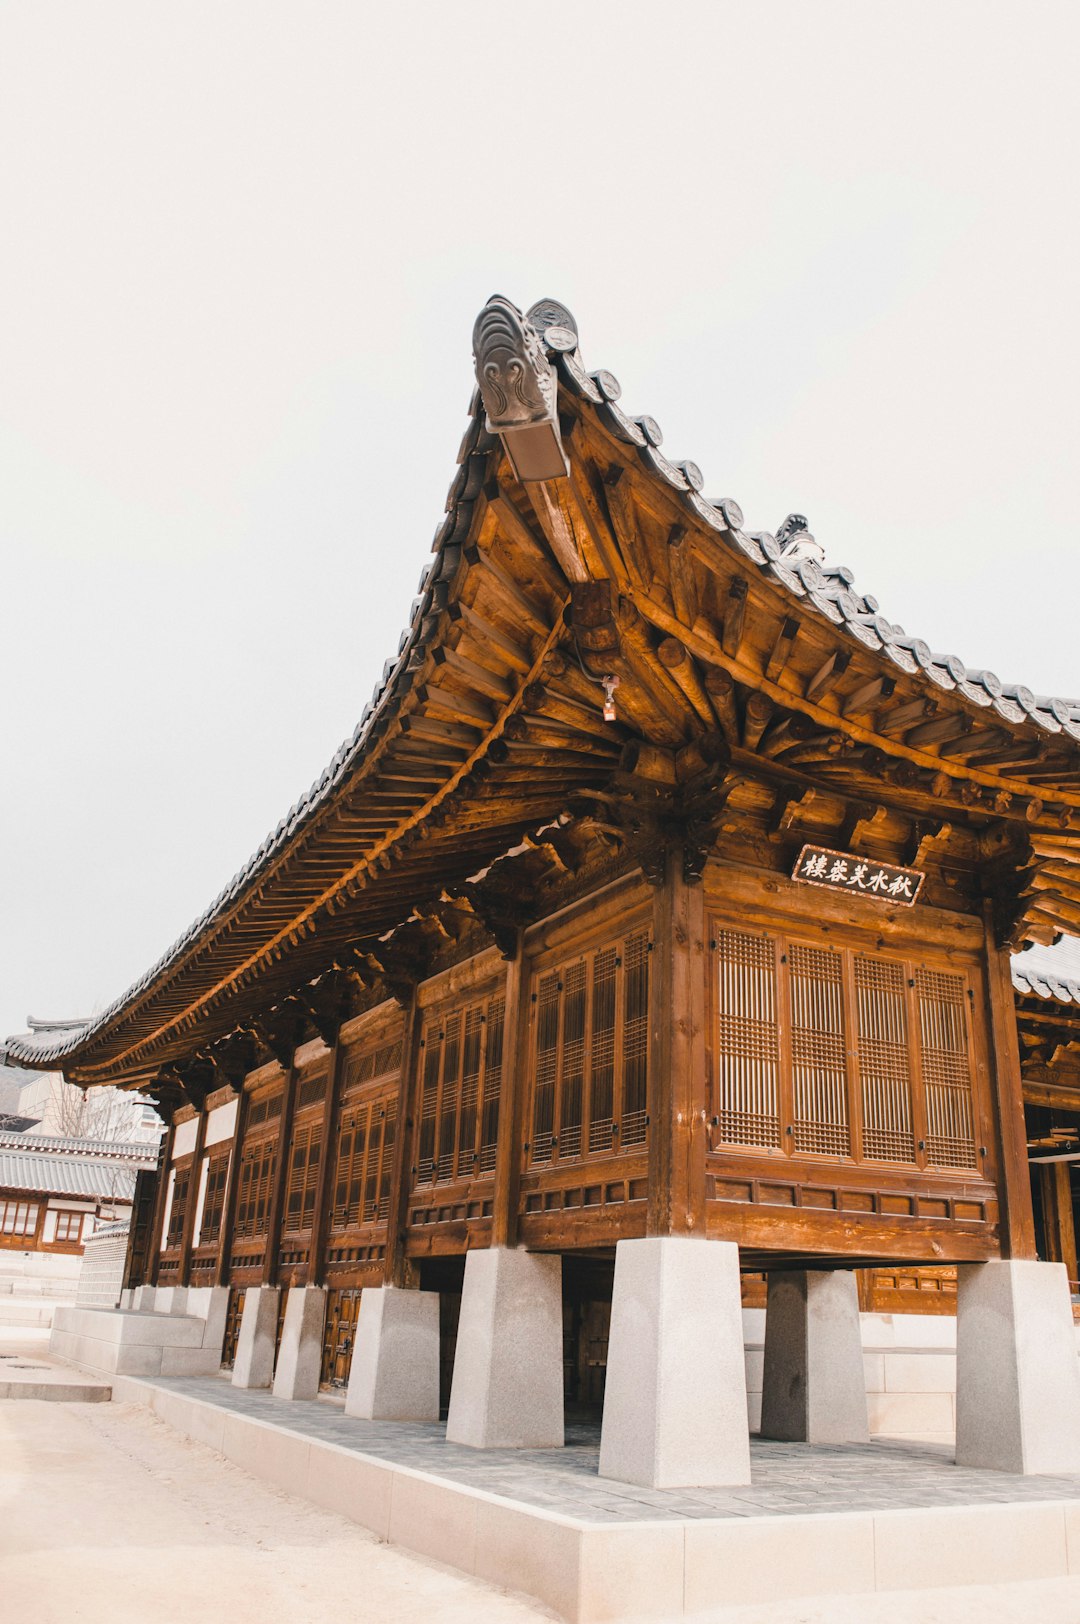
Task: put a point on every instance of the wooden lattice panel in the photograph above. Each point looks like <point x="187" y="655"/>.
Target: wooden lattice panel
<point x="833" y="1051"/>
<point x="946" y="1068"/>
<point x="461" y="1059"/>
<point x="884" y="1059"/>
<point x="818" y="1050"/>
<point x="590" y="1054"/>
<point x="748" y="1104"/>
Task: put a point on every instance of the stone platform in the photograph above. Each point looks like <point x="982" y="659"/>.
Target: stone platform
<point x="26" y="1373"/>
<point x="814" y="1521"/>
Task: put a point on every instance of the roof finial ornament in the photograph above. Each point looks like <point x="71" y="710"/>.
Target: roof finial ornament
<point x="796" y="542"/>
<point x="519" y="391"/>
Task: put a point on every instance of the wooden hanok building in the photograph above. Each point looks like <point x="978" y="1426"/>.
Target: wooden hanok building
<point x="654" y="926"/>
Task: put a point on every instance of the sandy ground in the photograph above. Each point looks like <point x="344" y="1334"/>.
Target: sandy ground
<point x="109" y="1517"/>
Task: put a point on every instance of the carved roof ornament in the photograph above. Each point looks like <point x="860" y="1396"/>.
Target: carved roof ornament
<point x="796" y="542"/>
<point x="518" y="388"/>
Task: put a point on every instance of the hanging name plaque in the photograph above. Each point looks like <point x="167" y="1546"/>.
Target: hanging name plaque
<point x="841" y="871"/>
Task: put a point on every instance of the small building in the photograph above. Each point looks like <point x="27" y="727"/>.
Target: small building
<point x="54" y="1194"/>
<point x="653" y="929"/>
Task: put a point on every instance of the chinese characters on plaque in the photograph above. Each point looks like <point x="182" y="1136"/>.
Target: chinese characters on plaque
<point x="840" y="871"/>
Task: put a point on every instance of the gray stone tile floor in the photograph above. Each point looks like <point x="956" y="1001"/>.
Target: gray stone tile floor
<point x="788" y="1479"/>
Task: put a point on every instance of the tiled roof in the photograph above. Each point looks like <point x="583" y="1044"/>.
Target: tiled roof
<point x="124" y="1150"/>
<point x="66" y="1175"/>
<point x="827" y="591"/>
<point x="1049" y="972"/>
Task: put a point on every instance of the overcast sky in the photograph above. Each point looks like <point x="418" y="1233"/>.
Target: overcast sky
<point x="832" y="248"/>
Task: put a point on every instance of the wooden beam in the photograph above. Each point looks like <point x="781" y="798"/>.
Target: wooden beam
<point x="222" y="1269"/>
<point x="734" y="617"/>
<point x="188" y="1231"/>
<point x="677" y="1054"/>
<point x="397" y="1270"/>
<point x="276" y="1210"/>
<point x="1058" y="1222"/>
<point x="164" y="1170"/>
<point x="1017" y="1217"/>
<point x="320" y="1227"/>
<point x="512" y="1103"/>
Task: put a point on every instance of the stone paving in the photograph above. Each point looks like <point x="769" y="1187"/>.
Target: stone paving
<point x="788" y="1479"/>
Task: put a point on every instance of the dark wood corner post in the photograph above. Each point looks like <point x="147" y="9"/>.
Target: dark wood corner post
<point x="323" y="1190"/>
<point x="512" y="1104"/>
<point x="164" y="1170"/>
<point x="232" y="1190"/>
<point x="1017" y="1217"/>
<point x="677" y="1052"/>
<point x="399" y="1270"/>
<point x="276" y="1213"/>
<point x="188" y="1234"/>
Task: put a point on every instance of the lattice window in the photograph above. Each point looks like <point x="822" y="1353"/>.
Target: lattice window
<point x="256" y="1178"/>
<point x="69" y="1226"/>
<point x="311" y="1090"/>
<point x="818" y="1051"/>
<point x="304" y="1157"/>
<point x="365" y="1150"/>
<point x="18" y="1217"/>
<point x="217" y="1175"/>
<point x="863" y="1033"/>
<point x="268" y="1109"/>
<point x="884" y="1059"/>
<point x="946" y="1069"/>
<point x="748" y="1066"/>
<point x="460" y="1084"/>
<point x="590" y="1054"/>
<point x="178" y="1210"/>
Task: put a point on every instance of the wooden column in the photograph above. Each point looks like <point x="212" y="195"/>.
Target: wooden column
<point x="320" y="1227"/>
<point x="1017" y="1218"/>
<point x="1056" y="1191"/>
<point x="281" y="1181"/>
<point x="511" y="1105"/>
<point x="164" y="1169"/>
<point x="677" y="1055"/>
<point x="232" y="1188"/>
<point x="188" y="1232"/>
<point x="398" y="1270"/>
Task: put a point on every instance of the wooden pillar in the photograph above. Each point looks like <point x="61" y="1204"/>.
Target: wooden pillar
<point x="1056" y="1191"/>
<point x="1017" y="1218"/>
<point x="512" y="1104"/>
<point x="281" y="1181"/>
<point x="232" y="1188"/>
<point x="187" y="1234"/>
<point x="398" y="1271"/>
<point x="677" y="1054"/>
<point x="164" y="1169"/>
<point x="320" y="1227"/>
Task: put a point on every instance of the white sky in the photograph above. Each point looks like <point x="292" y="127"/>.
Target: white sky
<point x="832" y="248"/>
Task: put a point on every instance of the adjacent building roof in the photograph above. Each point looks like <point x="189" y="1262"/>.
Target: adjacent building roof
<point x="87" y="1177"/>
<point x="106" y="1150"/>
<point x="555" y="482"/>
<point x="1049" y="972"/>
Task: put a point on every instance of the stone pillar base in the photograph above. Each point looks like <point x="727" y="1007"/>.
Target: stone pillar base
<point x="675" y="1402"/>
<point x="814" y="1385"/>
<point x="299" y="1360"/>
<point x="254" y="1365"/>
<point x="394" y="1374"/>
<point x="507" y="1390"/>
<point x="211" y="1304"/>
<point x="170" y="1300"/>
<point x="1017" y="1373"/>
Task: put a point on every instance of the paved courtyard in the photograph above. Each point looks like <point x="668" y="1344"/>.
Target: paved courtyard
<point x="109" y="1517"/>
<point x="787" y="1478"/>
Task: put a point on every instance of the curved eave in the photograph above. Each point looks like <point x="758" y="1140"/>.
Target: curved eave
<point x="481" y="728"/>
